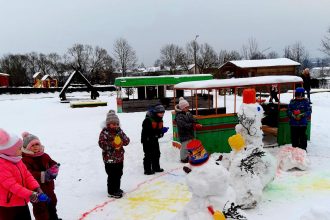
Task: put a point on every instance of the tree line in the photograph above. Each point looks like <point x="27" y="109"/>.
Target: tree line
<point x="101" y="68"/>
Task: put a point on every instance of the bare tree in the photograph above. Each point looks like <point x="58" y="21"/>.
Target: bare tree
<point x="79" y="56"/>
<point x="124" y="55"/>
<point x="193" y="49"/>
<point x="250" y="50"/>
<point x="32" y="64"/>
<point x="225" y="56"/>
<point x="101" y="65"/>
<point x="16" y="67"/>
<point x="297" y="52"/>
<point x="172" y="55"/>
<point x="326" y="43"/>
<point x="207" y="58"/>
<point x="272" y="55"/>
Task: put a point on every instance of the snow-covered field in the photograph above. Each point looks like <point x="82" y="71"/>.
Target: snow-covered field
<point x="70" y="136"/>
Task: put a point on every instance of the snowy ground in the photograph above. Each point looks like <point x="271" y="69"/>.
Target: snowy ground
<point x="70" y="136"/>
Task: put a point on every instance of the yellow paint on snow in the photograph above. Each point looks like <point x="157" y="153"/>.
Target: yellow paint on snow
<point x="157" y="198"/>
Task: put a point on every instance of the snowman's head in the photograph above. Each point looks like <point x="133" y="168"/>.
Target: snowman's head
<point x="208" y="179"/>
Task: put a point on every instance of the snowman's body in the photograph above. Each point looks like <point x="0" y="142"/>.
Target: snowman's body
<point x="209" y="185"/>
<point x="249" y="185"/>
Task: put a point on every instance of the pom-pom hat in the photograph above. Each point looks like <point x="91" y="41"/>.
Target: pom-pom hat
<point x="112" y="118"/>
<point x="29" y="140"/>
<point x="9" y="143"/>
<point x="183" y="103"/>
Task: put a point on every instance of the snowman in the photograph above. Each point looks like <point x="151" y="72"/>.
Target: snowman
<point x="250" y="162"/>
<point x="208" y="181"/>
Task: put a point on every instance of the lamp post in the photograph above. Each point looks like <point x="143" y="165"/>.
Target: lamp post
<point x="195" y="53"/>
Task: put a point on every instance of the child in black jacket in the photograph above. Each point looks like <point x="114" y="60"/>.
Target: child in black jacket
<point x="152" y="130"/>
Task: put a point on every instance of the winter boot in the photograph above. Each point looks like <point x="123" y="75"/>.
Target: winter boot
<point x="116" y="195"/>
<point x="159" y="170"/>
<point x="149" y="172"/>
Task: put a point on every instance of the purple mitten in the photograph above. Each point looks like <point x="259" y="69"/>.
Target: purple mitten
<point x="51" y="173"/>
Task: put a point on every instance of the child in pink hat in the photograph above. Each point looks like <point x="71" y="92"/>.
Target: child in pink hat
<point x="17" y="185"/>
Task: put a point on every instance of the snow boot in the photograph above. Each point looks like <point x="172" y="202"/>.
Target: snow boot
<point x="149" y="172"/>
<point x="159" y="170"/>
<point x="116" y="195"/>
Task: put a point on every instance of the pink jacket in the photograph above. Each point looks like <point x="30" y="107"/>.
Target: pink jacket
<point x="16" y="184"/>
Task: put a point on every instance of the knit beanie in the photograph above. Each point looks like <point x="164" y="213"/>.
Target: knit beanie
<point x="29" y="140"/>
<point x="9" y="143"/>
<point x="112" y="117"/>
<point x="159" y="108"/>
<point x="183" y="103"/>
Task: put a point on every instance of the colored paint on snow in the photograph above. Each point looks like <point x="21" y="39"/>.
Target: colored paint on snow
<point x="292" y="186"/>
<point x="150" y="201"/>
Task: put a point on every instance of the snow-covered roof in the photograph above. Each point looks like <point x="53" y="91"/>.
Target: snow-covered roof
<point x="237" y="82"/>
<point x="36" y="74"/>
<point x="264" y="63"/>
<point x="4" y="74"/>
<point x="45" y="77"/>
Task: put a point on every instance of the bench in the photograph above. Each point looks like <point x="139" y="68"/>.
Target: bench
<point x="269" y="130"/>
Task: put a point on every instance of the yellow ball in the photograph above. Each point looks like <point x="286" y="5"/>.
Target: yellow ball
<point x="236" y="142"/>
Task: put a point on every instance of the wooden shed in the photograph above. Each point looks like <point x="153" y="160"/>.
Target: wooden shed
<point x="4" y="80"/>
<point x="264" y="67"/>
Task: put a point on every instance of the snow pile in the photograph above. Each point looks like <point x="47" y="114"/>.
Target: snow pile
<point x="291" y="157"/>
<point x="253" y="164"/>
<point x="316" y="213"/>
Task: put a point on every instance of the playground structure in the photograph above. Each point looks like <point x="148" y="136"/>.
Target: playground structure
<point x="45" y="81"/>
<point x="78" y="104"/>
<point x="219" y="124"/>
<point x="135" y="94"/>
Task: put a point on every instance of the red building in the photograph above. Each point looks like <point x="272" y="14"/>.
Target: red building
<point x="4" y="80"/>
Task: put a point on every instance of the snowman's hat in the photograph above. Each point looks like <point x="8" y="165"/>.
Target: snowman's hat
<point x="197" y="153"/>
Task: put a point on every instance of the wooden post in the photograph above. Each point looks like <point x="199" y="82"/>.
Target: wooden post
<point x="208" y="98"/>
<point x="216" y="101"/>
<point x="235" y="99"/>
<point x="196" y="100"/>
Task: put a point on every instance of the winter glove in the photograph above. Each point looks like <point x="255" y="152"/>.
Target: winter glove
<point x="34" y="197"/>
<point x="186" y="169"/>
<point x="197" y="126"/>
<point x="42" y="197"/>
<point x="51" y="173"/>
<point x="164" y="129"/>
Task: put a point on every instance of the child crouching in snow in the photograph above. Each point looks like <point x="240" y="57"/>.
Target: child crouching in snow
<point x="111" y="141"/>
<point x="17" y="185"/>
<point x="44" y="170"/>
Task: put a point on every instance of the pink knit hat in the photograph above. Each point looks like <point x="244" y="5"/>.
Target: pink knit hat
<point x="183" y="103"/>
<point x="9" y="143"/>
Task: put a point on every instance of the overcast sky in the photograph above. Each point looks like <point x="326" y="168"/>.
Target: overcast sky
<point x="54" y="26"/>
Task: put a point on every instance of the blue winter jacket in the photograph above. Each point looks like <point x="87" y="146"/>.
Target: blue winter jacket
<point x="305" y="112"/>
